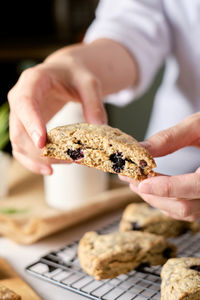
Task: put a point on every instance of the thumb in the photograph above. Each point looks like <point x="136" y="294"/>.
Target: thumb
<point x="174" y="138"/>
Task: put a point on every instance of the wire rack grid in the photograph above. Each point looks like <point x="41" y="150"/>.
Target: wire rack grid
<point x="62" y="268"/>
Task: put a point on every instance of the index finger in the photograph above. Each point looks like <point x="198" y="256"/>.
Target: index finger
<point x="89" y="89"/>
<point x="23" y="101"/>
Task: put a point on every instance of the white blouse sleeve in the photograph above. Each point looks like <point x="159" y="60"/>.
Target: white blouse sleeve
<point x="139" y="25"/>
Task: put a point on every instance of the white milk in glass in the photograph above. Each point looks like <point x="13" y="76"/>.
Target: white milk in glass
<point x="72" y="185"/>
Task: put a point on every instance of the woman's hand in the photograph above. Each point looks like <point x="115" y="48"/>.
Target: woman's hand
<point x="81" y="73"/>
<point x="41" y="92"/>
<point x="177" y="196"/>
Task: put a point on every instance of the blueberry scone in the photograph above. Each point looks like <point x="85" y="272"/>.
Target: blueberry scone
<point x="101" y="147"/>
<point x="143" y="217"/>
<point x="109" y="255"/>
<point x="7" y="294"/>
<point x="181" y="279"/>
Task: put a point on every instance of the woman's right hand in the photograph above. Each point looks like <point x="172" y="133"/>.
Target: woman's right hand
<point x="42" y="91"/>
<point x="82" y="73"/>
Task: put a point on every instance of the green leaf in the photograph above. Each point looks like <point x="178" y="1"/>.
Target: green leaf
<point x="11" y="211"/>
<point x="4" y="139"/>
<point x="4" y="125"/>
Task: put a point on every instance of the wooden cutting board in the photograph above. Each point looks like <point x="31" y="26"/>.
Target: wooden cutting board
<point x="10" y="279"/>
<point x="26" y="218"/>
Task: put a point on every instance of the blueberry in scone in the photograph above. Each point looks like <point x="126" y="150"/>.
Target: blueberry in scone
<point x="101" y="147"/>
<point x="181" y="279"/>
<point x="109" y="255"/>
<point x="143" y="217"/>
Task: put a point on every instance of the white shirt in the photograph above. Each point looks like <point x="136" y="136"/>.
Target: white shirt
<point x="156" y="31"/>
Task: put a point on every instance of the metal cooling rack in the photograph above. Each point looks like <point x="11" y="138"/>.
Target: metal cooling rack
<point x="62" y="268"/>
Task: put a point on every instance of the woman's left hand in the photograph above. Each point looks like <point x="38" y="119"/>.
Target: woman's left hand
<point x="177" y="196"/>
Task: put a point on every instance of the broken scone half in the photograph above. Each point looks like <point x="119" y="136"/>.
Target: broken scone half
<point x="101" y="147"/>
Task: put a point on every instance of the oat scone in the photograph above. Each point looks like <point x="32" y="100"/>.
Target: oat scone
<point x="100" y="146"/>
<point x="181" y="279"/>
<point x="109" y="255"/>
<point x="143" y="217"/>
<point x="7" y="294"/>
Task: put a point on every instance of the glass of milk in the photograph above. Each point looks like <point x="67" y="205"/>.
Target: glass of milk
<point x="72" y="185"/>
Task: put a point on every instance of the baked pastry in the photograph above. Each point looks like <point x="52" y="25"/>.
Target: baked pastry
<point x="7" y="294"/>
<point x="100" y="146"/>
<point x="181" y="279"/>
<point x="143" y="217"/>
<point x="108" y="255"/>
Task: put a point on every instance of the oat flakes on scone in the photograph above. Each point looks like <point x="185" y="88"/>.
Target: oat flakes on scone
<point x="101" y="147"/>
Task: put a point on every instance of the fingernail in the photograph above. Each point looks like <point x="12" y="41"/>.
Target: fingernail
<point x="100" y="122"/>
<point x="124" y="178"/>
<point x="145" y="188"/>
<point x="45" y="171"/>
<point x="145" y="144"/>
<point x="99" y="119"/>
<point x="165" y="212"/>
<point x="36" y="138"/>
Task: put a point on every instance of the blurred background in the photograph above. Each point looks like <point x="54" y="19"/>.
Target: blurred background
<point x="31" y="30"/>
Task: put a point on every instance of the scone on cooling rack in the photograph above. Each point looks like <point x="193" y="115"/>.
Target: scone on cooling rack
<point x="109" y="255"/>
<point x="101" y="147"/>
<point x="181" y="279"/>
<point x="143" y="217"/>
